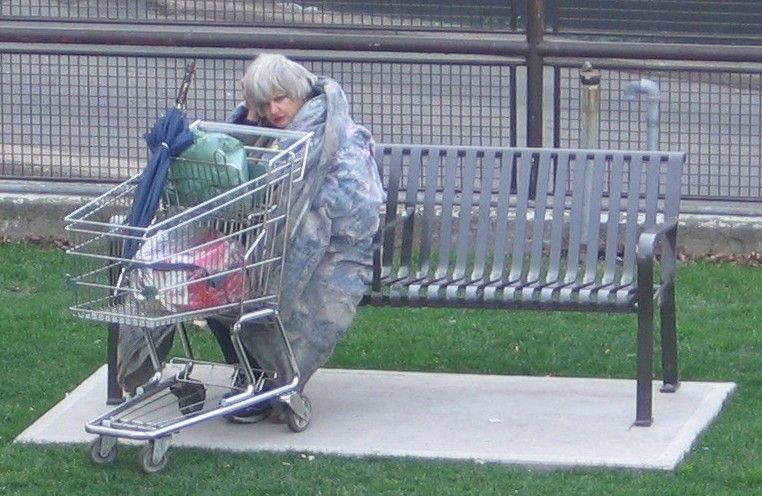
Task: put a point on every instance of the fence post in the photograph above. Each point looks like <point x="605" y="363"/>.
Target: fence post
<point x="535" y="84"/>
<point x="535" y="32"/>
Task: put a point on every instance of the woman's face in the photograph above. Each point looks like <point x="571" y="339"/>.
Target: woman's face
<point x="280" y="109"/>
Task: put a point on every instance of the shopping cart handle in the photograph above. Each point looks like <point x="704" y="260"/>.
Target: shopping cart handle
<point x="255" y="315"/>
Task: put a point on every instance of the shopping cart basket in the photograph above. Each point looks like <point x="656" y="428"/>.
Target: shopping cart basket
<point x="201" y="256"/>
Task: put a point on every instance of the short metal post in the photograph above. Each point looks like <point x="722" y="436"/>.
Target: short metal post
<point x="590" y="125"/>
<point x="591" y="106"/>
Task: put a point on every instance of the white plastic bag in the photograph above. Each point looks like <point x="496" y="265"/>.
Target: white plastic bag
<point x="202" y="272"/>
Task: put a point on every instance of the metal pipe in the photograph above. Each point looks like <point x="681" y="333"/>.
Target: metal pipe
<point x="591" y="125"/>
<point x="651" y="90"/>
<point x="231" y="37"/>
<point x="52" y="186"/>
<point x="109" y="35"/>
<point x="591" y="106"/>
<point x="555" y="46"/>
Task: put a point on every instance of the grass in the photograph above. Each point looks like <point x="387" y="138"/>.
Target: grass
<point x="45" y="353"/>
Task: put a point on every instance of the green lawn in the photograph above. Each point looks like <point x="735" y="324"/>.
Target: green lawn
<point x="45" y="353"/>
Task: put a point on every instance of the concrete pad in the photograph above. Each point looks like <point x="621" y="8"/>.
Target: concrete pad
<point x="534" y="421"/>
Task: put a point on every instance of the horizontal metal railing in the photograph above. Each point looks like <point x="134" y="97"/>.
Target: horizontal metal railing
<point x="366" y="14"/>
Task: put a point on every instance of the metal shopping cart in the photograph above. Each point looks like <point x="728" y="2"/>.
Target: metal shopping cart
<point x="216" y="245"/>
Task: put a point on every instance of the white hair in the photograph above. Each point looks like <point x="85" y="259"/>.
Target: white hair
<point x="269" y="74"/>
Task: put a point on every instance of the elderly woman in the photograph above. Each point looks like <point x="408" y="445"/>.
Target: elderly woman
<point x="335" y="213"/>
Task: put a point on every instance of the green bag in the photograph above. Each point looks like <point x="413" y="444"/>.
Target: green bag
<point x="212" y="165"/>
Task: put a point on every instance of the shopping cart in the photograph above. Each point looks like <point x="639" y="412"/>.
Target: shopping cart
<point x="201" y="256"/>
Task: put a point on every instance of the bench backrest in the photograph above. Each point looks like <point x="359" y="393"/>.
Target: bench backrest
<point x="486" y="214"/>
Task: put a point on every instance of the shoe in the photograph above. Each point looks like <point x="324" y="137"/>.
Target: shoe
<point x="190" y="394"/>
<point x="251" y="414"/>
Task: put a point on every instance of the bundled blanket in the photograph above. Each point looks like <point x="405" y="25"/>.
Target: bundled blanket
<point x="335" y="213"/>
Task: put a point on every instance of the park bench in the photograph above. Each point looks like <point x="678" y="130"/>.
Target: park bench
<point x="535" y="229"/>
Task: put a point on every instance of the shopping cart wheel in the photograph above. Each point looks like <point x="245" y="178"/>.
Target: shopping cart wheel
<point x="297" y="422"/>
<point x="153" y="458"/>
<point x="103" y="450"/>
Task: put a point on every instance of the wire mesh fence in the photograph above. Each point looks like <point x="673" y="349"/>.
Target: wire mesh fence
<point x="69" y="113"/>
<point x="438" y="15"/>
<point x="701" y="20"/>
<point x="715" y="117"/>
<point x="82" y="116"/>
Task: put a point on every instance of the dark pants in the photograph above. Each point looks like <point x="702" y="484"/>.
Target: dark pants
<point x="220" y="327"/>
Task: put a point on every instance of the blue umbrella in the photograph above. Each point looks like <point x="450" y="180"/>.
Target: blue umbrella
<point x="169" y="137"/>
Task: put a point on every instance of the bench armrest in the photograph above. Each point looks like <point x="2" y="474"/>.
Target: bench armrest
<point x="662" y="235"/>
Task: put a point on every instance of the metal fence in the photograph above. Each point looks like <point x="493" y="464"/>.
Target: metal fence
<point x="714" y="114"/>
<point x="492" y="15"/>
<point x="728" y="20"/>
<point x="76" y="95"/>
<point x="700" y="20"/>
<point x="80" y="116"/>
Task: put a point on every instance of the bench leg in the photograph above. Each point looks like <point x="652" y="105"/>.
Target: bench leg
<point x="113" y="391"/>
<point x="669" y="341"/>
<point x="644" y="414"/>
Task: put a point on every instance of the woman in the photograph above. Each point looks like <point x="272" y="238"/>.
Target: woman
<point x="334" y="212"/>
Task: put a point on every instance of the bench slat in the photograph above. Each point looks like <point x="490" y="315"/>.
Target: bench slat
<point x="429" y="210"/>
<point x="394" y="175"/>
<point x="501" y="218"/>
<point x="557" y="223"/>
<point x="448" y="203"/>
<point x="491" y="164"/>
<point x="575" y="219"/>
<point x="634" y="185"/>
<point x="594" y="217"/>
<point x="675" y="163"/>
<point x="544" y="188"/>
<point x="412" y="180"/>
<point x="614" y="214"/>
<point x="523" y="175"/>
<point x="548" y="185"/>
<point x="653" y="173"/>
<point x="467" y="195"/>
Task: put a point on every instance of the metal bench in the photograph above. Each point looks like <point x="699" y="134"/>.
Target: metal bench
<point x="542" y="229"/>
